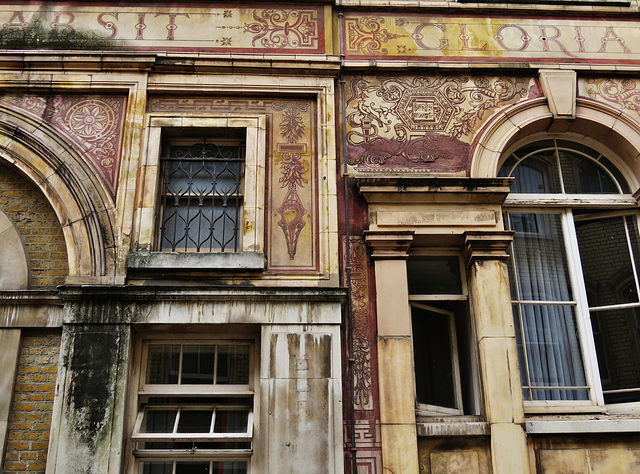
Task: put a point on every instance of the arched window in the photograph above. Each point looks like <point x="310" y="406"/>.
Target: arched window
<point x="574" y="274"/>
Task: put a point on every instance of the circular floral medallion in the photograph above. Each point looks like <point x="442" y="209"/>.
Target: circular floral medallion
<point x="91" y="118"/>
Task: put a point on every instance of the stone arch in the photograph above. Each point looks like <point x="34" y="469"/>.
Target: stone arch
<point x="81" y="202"/>
<point x="595" y="124"/>
<point x="13" y="255"/>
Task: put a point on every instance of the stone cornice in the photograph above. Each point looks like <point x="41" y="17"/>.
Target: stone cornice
<point x="421" y="189"/>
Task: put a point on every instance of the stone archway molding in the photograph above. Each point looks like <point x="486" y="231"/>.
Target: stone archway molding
<point x="595" y="123"/>
<point x="79" y="199"/>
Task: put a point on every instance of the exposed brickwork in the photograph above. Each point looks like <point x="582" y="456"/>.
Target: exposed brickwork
<point x="32" y="214"/>
<point x="30" y="416"/>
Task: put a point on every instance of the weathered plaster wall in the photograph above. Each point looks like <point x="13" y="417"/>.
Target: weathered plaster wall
<point x="602" y="453"/>
<point x="455" y="455"/>
<point x="89" y="412"/>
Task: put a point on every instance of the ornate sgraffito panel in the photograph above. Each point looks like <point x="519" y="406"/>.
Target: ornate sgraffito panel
<point x="292" y="201"/>
<point x="622" y="94"/>
<point x="365" y="369"/>
<point x="92" y="124"/>
<point x="453" y="38"/>
<point x="423" y="123"/>
<point x="214" y="28"/>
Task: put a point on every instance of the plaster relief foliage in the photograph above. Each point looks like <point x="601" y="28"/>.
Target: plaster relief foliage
<point x="93" y="124"/>
<point x="362" y="396"/>
<point x="623" y="94"/>
<point x="291" y="210"/>
<point x="279" y="28"/>
<point x="422" y="123"/>
<point x="367" y="35"/>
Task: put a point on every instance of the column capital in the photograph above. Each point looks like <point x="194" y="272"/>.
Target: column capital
<point x="389" y="245"/>
<point x="487" y="245"/>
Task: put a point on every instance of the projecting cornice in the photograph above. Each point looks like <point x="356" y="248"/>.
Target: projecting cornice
<point x="433" y="190"/>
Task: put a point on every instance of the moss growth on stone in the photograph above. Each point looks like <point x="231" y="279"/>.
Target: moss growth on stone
<point x="36" y="36"/>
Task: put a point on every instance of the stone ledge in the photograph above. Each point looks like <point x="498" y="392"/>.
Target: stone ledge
<point x="582" y="426"/>
<point x="197" y="261"/>
<point x="453" y="428"/>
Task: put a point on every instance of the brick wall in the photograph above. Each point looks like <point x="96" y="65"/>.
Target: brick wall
<point x="32" y="214"/>
<point x="30" y="416"/>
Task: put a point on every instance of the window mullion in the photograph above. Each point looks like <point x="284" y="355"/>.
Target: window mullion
<point x="557" y="155"/>
<point x="631" y="254"/>
<point x="583" y="317"/>
<point x="516" y="283"/>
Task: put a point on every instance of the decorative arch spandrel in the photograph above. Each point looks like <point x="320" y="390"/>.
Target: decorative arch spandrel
<point x="80" y="200"/>
<point x="92" y="124"/>
<point x="407" y="124"/>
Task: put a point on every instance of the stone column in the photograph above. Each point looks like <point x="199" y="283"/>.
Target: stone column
<point x="89" y="411"/>
<point x="486" y="256"/>
<point x="395" y="352"/>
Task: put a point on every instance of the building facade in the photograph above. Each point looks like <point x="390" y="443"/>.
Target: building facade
<point x="352" y="236"/>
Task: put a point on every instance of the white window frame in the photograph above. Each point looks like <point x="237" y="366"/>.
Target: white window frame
<point x="562" y="204"/>
<point x="145" y="390"/>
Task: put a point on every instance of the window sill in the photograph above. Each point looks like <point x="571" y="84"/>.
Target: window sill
<point x="560" y="408"/>
<point x="582" y="426"/>
<point x="452" y="426"/>
<point x="198" y="261"/>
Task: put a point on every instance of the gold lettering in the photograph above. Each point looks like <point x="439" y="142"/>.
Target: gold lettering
<point x="171" y="26"/>
<point x="140" y="26"/>
<point x="57" y="24"/>
<point x="19" y="16"/>
<point x="464" y="38"/>
<point x="579" y="39"/>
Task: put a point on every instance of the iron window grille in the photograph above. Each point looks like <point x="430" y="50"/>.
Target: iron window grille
<point x="202" y="197"/>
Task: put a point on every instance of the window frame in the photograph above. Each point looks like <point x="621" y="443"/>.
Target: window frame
<point x="564" y="204"/>
<point x="253" y="218"/>
<point x="431" y="302"/>
<point x="141" y="391"/>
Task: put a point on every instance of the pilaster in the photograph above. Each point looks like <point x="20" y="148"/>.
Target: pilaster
<point x="486" y="257"/>
<point x="395" y="351"/>
<point x="89" y="410"/>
